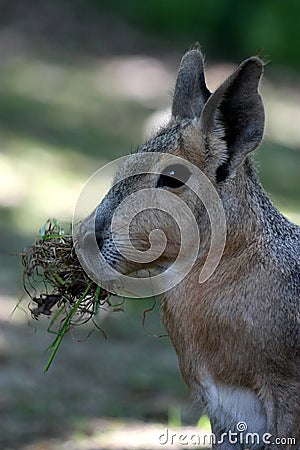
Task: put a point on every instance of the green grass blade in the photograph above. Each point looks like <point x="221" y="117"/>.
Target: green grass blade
<point x="57" y="341"/>
<point x="96" y="301"/>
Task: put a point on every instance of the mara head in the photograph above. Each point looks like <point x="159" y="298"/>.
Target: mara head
<point x="181" y="189"/>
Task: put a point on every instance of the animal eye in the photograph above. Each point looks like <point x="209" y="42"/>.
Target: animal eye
<point x="173" y="176"/>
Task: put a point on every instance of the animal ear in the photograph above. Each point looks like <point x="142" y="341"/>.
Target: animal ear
<point x="234" y="115"/>
<point x="191" y="92"/>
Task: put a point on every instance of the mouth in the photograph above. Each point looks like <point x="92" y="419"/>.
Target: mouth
<point x="135" y="268"/>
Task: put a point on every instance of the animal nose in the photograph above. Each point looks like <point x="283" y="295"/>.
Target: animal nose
<point x="90" y="233"/>
<point x="86" y="241"/>
<point x="91" y="238"/>
<point x="100" y="224"/>
<point x="99" y="240"/>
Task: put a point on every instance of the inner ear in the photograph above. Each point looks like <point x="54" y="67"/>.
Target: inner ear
<point x="190" y="93"/>
<point x="235" y="114"/>
<point x="232" y="119"/>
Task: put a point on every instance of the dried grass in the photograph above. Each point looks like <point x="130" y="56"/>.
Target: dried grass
<point x="58" y="286"/>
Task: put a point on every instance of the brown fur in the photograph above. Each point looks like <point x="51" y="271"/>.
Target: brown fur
<point x="237" y="334"/>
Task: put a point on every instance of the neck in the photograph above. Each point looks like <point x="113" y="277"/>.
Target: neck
<point x="251" y="216"/>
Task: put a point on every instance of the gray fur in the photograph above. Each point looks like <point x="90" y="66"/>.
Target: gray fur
<point x="191" y="92"/>
<point x="237" y="334"/>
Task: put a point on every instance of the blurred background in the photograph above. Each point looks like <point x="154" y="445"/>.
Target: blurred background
<point x="81" y="83"/>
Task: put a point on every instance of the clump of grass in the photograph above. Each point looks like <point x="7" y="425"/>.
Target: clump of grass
<point x="58" y="286"/>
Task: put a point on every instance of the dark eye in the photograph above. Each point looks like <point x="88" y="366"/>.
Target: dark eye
<point x="173" y="176"/>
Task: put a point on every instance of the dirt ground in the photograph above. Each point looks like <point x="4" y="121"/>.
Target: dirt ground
<point x="96" y="393"/>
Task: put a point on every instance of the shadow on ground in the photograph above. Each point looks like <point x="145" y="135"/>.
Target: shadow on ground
<point x="130" y="375"/>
